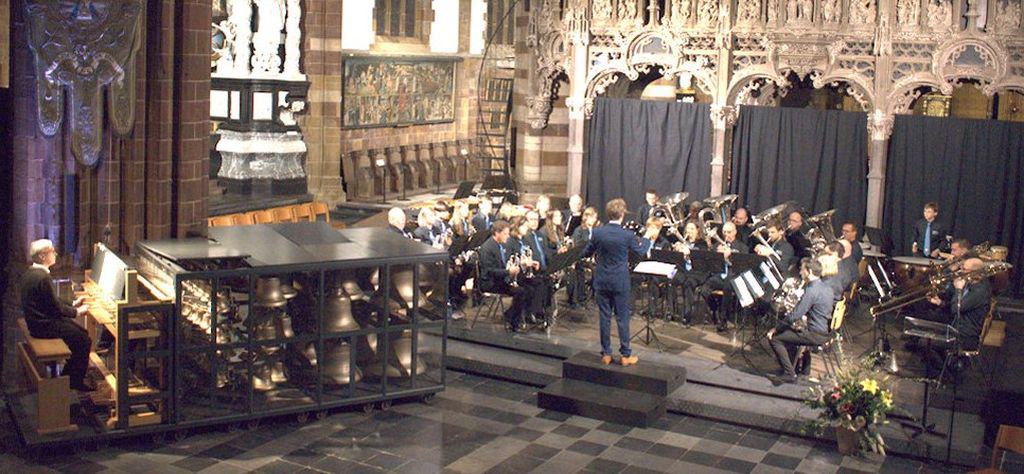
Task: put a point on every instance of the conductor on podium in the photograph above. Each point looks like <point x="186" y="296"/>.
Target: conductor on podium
<point x="47" y="317"/>
<point x="612" y="244"/>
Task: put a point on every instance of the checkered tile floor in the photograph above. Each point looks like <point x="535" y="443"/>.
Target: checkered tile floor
<point x="477" y="425"/>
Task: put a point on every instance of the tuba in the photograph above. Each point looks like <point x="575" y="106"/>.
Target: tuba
<point x="721" y="205"/>
<point x="820" y="233"/>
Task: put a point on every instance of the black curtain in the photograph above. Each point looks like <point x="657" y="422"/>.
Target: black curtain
<point x="817" y="158"/>
<point x="972" y="168"/>
<point x="636" y="144"/>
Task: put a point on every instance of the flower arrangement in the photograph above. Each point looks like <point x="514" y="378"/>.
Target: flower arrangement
<point x="856" y="401"/>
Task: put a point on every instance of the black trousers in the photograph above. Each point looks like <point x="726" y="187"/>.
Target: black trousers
<point x="527" y="296"/>
<point x="75" y="337"/>
<point x="786" y="344"/>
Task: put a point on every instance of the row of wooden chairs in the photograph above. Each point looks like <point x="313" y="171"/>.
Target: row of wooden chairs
<point x="305" y="212"/>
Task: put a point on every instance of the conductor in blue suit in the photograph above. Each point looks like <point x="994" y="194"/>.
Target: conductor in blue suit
<point x="612" y="245"/>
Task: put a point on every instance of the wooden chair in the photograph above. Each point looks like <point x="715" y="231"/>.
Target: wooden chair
<point x="243" y="219"/>
<point x="39" y="360"/>
<point x="283" y="214"/>
<point x="263" y="216"/>
<point x="320" y="209"/>
<point x="220" y="221"/>
<point x="303" y="212"/>
<point x="1009" y="438"/>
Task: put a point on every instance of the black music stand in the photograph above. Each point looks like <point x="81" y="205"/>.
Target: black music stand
<point x="465" y="190"/>
<point x="647" y="333"/>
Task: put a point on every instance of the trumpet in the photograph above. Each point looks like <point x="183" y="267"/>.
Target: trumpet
<point x="513" y="264"/>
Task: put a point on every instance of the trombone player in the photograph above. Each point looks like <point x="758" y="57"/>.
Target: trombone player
<point x="778" y="249"/>
<point x="965" y="303"/>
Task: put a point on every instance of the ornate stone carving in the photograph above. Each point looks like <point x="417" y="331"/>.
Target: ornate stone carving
<point x="883" y="40"/>
<point x="627" y="10"/>
<point x="83" y="47"/>
<point x="862" y="12"/>
<point x="880" y="125"/>
<point x="1007" y="21"/>
<point x="240" y="16"/>
<point x="602" y="9"/>
<point x="940" y="15"/>
<point x="748" y="12"/>
<point x="907" y="12"/>
<point x="267" y="38"/>
<point x="259" y="155"/>
<point x="723" y="117"/>
<point x="540" y="110"/>
<point x="772" y="12"/>
<point x="707" y="13"/>
<point x="223" y="61"/>
<point x="293" y="39"/>
<point x="831" y="11"/>
<point x="681" y="11"/>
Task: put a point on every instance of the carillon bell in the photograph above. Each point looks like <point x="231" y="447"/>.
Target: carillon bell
<point x="283" y="325"/>
<point x="338" y="312"/>
<point x="261" y="378"/>
<point x="337" y="366"/>
<point x="288" y="291"/>
<point x="310" y="353"/>
<point x="277" y="372"/>
<point x="269" y="293"/>
<point x="398" y="359"/>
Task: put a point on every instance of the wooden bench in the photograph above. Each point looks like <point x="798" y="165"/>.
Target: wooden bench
<point x="39" y="358"/>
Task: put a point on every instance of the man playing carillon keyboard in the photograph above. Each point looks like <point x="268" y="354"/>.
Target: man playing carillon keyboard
<point x="612" y="244"/>
<point x="47" y="317"/>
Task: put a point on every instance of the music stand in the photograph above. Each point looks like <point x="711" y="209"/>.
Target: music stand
<point x="651" y="277"/>
<point x="464" y="190"/>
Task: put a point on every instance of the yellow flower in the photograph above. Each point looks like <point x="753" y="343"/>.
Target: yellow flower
<point x="869" y="385"/>
<point x="887" y="398"/>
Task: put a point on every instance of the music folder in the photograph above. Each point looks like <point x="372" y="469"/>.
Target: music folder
<point x="701" y="261"/>
<point x="472" y="243"/>
<point x="653" y="268"/>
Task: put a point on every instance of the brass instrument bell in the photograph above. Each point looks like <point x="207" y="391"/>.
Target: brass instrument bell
<point x="268" y="293"/>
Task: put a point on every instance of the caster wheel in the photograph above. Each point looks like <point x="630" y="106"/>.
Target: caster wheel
<point x="302" y="418"/>
<point x="427" y="399"/>
<point x="180" y="435"/>
<point x="368" y="408"/>
<point x="385" y="405"/>
<point x="251" y="425"/>
<point x="320" y="415"/>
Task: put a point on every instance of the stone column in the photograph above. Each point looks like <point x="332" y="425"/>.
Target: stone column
<point x="880" y="129"/>
<point x="723" y="117"/>
<point x="579" y="44"/>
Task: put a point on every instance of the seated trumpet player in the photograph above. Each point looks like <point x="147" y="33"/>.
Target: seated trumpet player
<point x="47" y="317"/>
<point x="777" y="247"/>
<point x="499" y="272"/>
<point x="807" y="324"/>
<point x="728" y="244"/>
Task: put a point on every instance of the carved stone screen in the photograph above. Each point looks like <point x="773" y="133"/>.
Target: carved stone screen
<point x="383" y="91"/>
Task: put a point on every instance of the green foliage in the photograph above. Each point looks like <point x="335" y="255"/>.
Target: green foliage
<point x="857" y="398"/>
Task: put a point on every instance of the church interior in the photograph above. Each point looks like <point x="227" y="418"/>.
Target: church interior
<point x="471" y="236"/>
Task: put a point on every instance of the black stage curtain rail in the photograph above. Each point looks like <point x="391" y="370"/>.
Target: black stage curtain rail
<point x="817" y="158"/>
<point x="637" y="144"/>
<point x="974" y="170"/>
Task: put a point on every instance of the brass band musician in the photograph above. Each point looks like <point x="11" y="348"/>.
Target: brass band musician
<point x="807" y="324"/>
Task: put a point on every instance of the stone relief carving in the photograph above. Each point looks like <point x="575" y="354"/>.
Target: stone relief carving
<point x="627" y="10"/>
<point x="681" y="11"/>
<point x="267" y="38"/>
<point x="602" y="9"/>
<point x="240" y="16"/>
<point x="707" y="13"/>
<point x="831" y="11"/>
<point x="1008" y="19"/>
<point x="940" y="15"/>
<point x="747" y="12"/>
<point x="907" y="12"/>
<point x="84" y="48"/>
<point x="862" y="12"/>
<point x="772" y="12"/>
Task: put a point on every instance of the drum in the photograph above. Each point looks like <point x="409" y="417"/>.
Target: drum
<point x="912" y="271"/>
<point x="873" y="254"/>
<point x="998" y="253"/>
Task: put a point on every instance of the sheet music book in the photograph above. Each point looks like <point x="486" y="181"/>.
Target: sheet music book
<point x="651" y="267"/>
